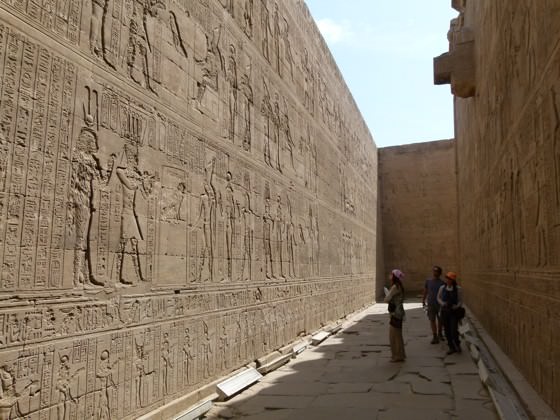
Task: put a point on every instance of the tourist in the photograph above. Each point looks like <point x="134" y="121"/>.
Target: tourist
<point x="395" y="298"/>
<point x="450" y="298"/>
<point x="431" y="288"/>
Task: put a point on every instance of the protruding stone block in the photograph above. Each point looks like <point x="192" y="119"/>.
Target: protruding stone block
<point x="238" y="382"/>
<point x="319" y="338"/>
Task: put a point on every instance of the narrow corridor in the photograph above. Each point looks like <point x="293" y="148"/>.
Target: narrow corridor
<point x="349" y="376"/>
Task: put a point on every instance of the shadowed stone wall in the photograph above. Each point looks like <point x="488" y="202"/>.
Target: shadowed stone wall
<point x="508" y="146"/>
<point x="184" y="186"/>
<point x="418" y="193"/>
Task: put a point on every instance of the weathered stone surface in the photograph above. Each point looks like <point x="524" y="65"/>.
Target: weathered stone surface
<point x="418" y="209"/>
<point x="185" y="186"/>
<point x="508" y="163"/>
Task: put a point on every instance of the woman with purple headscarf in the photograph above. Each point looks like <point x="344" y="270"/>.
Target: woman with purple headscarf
<point x="395" y="298"/>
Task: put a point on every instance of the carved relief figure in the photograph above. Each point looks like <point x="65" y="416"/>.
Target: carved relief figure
<point x="248" y="18"/>
<point x="10" y="394"/>
<point x="128" y="262"/>
<point x="265" y="28"/>
<point x="105" y="374"/>
<point x="137" y="59"/>
<point x="141" y="372"/>
<point x="174" y="209"/>
<point x="279" y="230"/>
<point x="176" y="33"/>
<point x="247" y="216"/>
<point x="310" y="161"/>
<point x="188" y="359"/>
<point x="64" y="386"/>
<point x="291" y="242"/>
<point x="276" y="119"/>
<point x="206" y="353"/>
<point x="212" y="65"/>
<point x="207" y="216"/>
<point x="230" y="216"/>
<point x="276" y="39"/>
<point x="86" y="178"/>
<point x="228" y="5"/>
<point x="98" y="8"/>
<point x="224" y="347"/>
<point x="231" y="77"/>
<point x="4" y="153"/>
<point x="308" y="82"/>
<point x="246" y="106"/>
<point x="167" y="363"/>
<point x="267" y="112"/>
<point x="313" y="230"/>
<point x="288" y="56"/>
<point x="268" y="223"/>
<point x="286" y="132"/>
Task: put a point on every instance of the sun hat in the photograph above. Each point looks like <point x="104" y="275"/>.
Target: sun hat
<point x="398" y="274"/>
<point x="451" y="275"/>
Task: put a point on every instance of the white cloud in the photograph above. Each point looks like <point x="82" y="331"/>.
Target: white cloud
<point x="334" y="32"/>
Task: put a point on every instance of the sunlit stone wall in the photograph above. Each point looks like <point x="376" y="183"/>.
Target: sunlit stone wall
<point x="418" y="197"/>
<point x="508" y="147"/>
<point x="184" y="187"/>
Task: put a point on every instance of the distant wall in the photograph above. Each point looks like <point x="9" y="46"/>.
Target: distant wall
<point x="418" y="209"/>
<point x="508" y="148"/>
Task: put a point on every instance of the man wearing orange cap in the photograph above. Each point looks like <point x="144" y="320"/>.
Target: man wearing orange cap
<point x="450" y="298"/>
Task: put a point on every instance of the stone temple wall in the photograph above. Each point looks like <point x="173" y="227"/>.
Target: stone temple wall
<point x="507" y="118"/>
<point x="184" y="186"/>
<point x="418" y="195"/>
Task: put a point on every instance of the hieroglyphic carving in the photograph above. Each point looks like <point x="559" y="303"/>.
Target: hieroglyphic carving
<point x="507" y="172"/>
<point x="248" y="18"/>
<point x="207" y="217"/>
<point x="145" y="249"/>
<point x="246" y="107"/>
<point x="232" y="83"/>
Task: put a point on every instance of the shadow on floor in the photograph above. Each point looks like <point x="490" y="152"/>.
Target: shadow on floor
<point x="350" y="376"/>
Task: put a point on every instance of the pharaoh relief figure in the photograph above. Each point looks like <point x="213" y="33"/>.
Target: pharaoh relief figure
<point x="291" y="242"/>
<point x="12" y="390"/>
<point x="105" y="375"/>
<point x="247" y="217"/>
<point x="268" y="114"/>
<point x="231" y="77"/>
<point x="207" y="217"/>
<point x="86" y="178"/>
<point x="65" y="387"/>
<point x="139" y="49"/>
<point x="246" y="107"/>
<point x="230" y="208"/>
<point x="268" y="226"/>
<point x="248" y="18"/>
<point x="212" y="64"/>
<point x="128" y="259"/>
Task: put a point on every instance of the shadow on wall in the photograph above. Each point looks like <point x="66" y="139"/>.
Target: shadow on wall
<point x="350" y="377"/>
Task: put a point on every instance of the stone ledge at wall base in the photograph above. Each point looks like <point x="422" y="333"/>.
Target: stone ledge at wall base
<point x="274" y="364"/>
<point x="513" y="397"/>
<point x="197" y="411"/>
<point x="237" y="383"/>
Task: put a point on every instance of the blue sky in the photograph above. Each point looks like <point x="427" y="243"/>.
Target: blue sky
<point x="385" y="50"/>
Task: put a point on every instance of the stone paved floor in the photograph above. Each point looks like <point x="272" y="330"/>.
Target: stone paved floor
<point x="349" y="377"/>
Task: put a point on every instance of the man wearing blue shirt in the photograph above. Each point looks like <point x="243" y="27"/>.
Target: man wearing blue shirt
<point x="431" y="288"/>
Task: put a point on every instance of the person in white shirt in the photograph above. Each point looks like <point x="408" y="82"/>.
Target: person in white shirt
<point x="395" y="298"/>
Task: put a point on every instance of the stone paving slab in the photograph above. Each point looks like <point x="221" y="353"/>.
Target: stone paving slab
<point x="349" y="376"/>
<point x="414" y="413"/>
